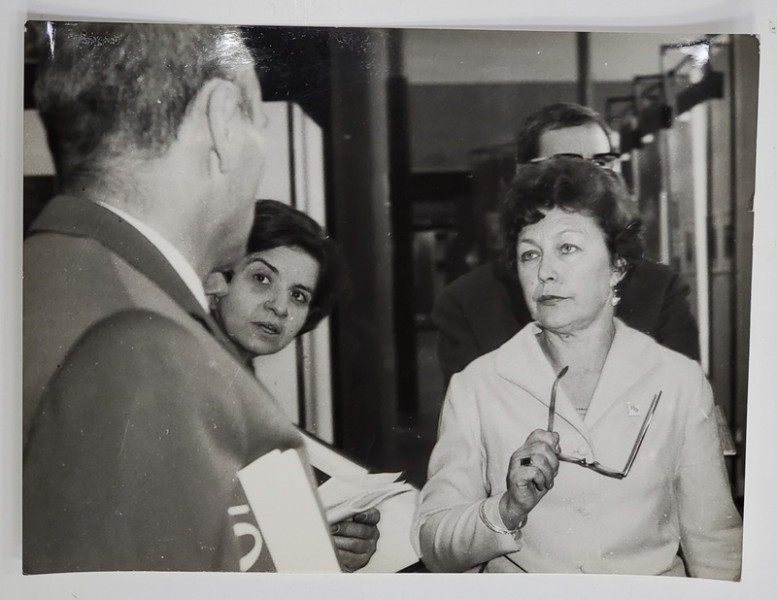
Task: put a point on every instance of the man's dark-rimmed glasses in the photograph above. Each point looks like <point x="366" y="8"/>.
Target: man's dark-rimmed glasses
<point x="606" y="160"/>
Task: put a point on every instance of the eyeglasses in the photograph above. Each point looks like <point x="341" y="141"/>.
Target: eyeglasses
<point x="595" y="465"/>
<point x="605" y="160"/>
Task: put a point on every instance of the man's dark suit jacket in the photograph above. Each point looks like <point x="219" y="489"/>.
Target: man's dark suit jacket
<point x="483" y="309"/>
<point x="136" y="418"/>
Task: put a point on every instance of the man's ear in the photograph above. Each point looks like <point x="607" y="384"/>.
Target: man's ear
<point x="226" y="122"/>
<point x="216" y="285"/>
<point x="619" y="268"/>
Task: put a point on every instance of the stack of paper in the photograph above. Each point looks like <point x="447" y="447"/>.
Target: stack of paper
<point x="351" y="489"/>
<point x="395" y="551"/>
<point x="345" y="495"/>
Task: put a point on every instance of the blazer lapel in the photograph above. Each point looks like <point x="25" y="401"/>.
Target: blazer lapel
<point x="83" y="218"/>
<point x="628" y="360"/>
<point x="522" y="362"/>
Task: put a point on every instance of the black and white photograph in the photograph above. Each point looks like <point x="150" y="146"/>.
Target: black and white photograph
<point x="334" y="301"/>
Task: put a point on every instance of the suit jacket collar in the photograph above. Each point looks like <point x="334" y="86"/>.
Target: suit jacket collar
<point x="522" y="362"/>
<point x="78" y="217"/>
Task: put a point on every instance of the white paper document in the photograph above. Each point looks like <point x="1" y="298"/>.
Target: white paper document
<point x="289" y="518"/>
<point x="343" y="496"/>
<point x="351" y="489"/>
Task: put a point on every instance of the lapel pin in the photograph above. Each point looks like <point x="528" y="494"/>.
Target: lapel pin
<point x="633" y="410"/>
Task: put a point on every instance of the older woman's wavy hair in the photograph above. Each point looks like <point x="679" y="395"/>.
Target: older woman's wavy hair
<point x="574" y="185"/>
<point x="275" y="225"/>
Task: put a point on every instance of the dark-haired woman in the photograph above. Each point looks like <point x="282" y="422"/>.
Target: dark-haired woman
<point x="287" y="284"/>
<point x="580" y="445"/>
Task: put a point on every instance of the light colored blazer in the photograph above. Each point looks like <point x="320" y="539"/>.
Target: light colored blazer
<point x="676" y="495"/>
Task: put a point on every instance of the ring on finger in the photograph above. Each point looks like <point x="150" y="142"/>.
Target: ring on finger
<point x="525" y="461"/>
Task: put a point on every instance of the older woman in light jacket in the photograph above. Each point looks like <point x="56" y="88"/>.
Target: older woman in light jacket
<point x="580" y="445"/>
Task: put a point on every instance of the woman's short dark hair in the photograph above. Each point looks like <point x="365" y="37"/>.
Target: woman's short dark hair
<point x="277" y="224"/>
<point x="573" y="185"/>
<point x="549" y="118"/>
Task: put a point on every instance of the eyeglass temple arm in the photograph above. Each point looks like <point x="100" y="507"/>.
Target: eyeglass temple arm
<point x="552" y="411"/>
<point x="642" y="432"/>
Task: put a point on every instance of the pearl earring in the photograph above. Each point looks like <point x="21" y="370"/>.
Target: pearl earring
<point x="615" y="297"/>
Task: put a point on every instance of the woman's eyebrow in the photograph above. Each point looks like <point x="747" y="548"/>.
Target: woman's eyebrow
<point x="573" y="229"/>
<point x="302" y="286"/>
<point x="528" y="240"/>
<point x="265" y="263"/>
<point x="272" y="267"/>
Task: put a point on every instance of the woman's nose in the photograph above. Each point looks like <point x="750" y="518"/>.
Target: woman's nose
<point x="277" y="305"/>
<point x="547" y="269"/>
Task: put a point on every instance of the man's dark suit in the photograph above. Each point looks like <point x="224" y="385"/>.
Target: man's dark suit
<point x="483" y="309"/>
<point x="136" y="418"/>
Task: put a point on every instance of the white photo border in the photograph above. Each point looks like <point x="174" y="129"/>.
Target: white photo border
<point x="725" y="16"/>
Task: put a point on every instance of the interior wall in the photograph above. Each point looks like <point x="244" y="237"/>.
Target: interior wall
<point x="450" y="120"/>
<point x="479" y="56"/>
<point x="621" y="56"/>
<point x="472" y="88"/>
<point x="487" y="56"/>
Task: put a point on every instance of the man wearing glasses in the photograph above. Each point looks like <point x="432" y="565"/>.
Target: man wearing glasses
<point x="481" y="310"/>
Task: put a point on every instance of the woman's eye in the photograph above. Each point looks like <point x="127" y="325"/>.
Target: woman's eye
<point x="568" y="248"/>
<point x="261" y="278"/>
<point x="300" y="297"/>
<point x="528" y="255"/>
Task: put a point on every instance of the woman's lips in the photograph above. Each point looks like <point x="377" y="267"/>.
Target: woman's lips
<point x="268" y="328"/>
<point x="550" y="299"/>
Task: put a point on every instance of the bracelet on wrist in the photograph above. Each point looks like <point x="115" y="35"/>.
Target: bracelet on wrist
<point x="516" y="533"/>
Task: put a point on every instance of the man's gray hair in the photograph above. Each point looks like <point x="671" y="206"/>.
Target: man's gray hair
<point x="106" y="89"/>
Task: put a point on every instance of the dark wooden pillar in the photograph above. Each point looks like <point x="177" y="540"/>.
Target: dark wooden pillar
<point x="401" y="228"/>
<point x="365" y="381"/>
<point x="584" y="83"/>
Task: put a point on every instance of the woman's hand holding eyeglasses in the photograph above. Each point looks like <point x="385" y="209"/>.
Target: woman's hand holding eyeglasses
<point x="530" y="475"/>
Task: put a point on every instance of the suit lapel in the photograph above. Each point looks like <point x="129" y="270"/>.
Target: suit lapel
<point x="82" y="218"/>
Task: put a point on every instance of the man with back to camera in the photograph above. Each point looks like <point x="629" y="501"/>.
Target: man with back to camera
<point x="484" y="308"/>
<point x="136" y="417"/>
